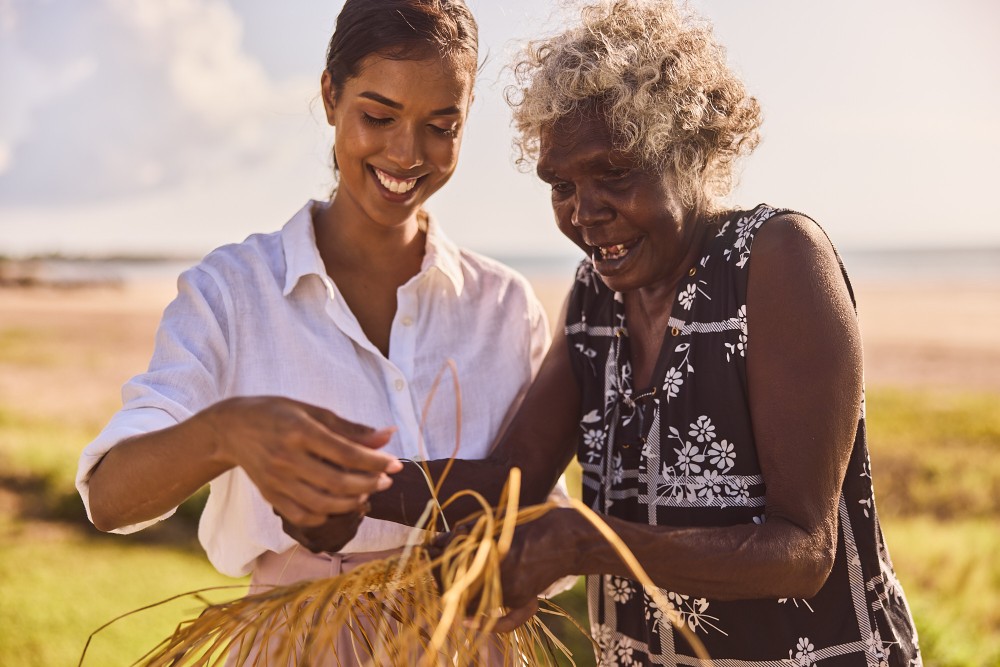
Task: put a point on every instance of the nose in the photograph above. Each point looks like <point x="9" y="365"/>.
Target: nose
<point x="589" y="210"/>
<point x="405" y="148"/>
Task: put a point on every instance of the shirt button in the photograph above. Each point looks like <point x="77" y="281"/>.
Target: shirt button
<point x="399" y="385"/>
<point x="407" y="321"/>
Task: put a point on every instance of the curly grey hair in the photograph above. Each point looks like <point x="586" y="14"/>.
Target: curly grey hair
<point x="660" y="81"/>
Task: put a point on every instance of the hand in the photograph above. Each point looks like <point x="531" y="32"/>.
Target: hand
<point x="541" y="553"/>
<point x="330" y="536"/>
<point x="515" y="618"/>
<point x="306" y="461"/>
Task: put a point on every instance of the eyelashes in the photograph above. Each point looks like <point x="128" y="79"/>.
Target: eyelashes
<point x="375" y="121"/>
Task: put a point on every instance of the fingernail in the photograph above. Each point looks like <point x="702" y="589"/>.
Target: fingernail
<point x="363" y="498"/>
<point x="394" y="465"/>
<point x="383" y="482"/>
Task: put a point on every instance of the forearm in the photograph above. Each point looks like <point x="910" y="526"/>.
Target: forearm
<point x="406" y="499"/>
<point x="148" y="475"/>
<point x="746" y="561"/>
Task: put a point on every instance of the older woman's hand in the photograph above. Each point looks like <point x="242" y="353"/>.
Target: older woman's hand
<point x="328" y="537"/>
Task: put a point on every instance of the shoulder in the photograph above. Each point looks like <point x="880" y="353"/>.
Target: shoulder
<point x="793" y="240"/>
<point x="258" y="256"/>
<point x="485" y="274"/>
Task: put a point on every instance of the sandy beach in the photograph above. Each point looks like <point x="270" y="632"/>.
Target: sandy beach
<point x="68" y="350"/>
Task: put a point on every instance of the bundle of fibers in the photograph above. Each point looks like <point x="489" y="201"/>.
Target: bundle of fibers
<point x="392" y="610"/>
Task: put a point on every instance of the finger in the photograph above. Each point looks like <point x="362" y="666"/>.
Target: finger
<point x="358" y="433"/>
<point x="335" y="481"/>
<point x="295" y="513"/>
<point x="337" y="448"/>
<point x="515" y="618"/>
<point x="318" y="503"/>
<point x="290" y="468"/>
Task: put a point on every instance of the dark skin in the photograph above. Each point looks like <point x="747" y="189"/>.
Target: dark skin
<point x="804" y="375"/>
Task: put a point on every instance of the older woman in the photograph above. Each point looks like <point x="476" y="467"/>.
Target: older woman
<point x="708" y="379"/>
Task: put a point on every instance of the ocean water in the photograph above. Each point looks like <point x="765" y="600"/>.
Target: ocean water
<point x="919" y="266"/>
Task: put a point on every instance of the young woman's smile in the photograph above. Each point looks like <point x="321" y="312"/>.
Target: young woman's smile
<point x="399" y="127"/>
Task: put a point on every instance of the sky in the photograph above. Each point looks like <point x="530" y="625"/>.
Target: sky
<point x="175" y="126"/>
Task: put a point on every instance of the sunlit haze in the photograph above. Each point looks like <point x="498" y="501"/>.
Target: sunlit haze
<point x="147" y="127"/>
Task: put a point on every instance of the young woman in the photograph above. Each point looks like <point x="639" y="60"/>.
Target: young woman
<point x="279" y="351"/>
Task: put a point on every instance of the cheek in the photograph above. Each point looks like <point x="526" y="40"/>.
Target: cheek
<point x="564" y="221"/>
<point x="445" y="155"/>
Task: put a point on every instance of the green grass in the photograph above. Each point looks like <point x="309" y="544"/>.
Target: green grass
<point x="937" y="479"/>
<point x="58" y="590"/>
<point x="951" y="575"/>
<point x="935" y="454"/>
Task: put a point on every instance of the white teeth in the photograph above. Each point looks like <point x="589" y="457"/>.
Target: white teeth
<point x="616" y="251"/>
<point x="393" y="184"/>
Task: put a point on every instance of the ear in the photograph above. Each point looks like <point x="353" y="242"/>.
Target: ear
<point x="329" y="96"/>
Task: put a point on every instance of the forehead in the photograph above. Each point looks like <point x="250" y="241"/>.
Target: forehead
<point x="427" y="83"/>
<point x="576" y="141"/>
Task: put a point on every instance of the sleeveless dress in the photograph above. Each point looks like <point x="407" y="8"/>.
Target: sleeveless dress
<point x="683" y="454"/>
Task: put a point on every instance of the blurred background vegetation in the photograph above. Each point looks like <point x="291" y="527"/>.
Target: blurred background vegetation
<point x="934" y="457"/>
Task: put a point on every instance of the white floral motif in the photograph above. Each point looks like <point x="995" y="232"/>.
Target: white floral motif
<point x="623" y="652"/>
<point x="689" y="458"/>
<point x="672" y="382"/>
<point x="687" y="295"/>
<point x="722" y="455"/>
<point x="703" y="429"/>
<point x="804" y="656"/>
<point x="593" y="438"/>
<point x="740" y="346"/>
<point x="618" y="471"/>
<point x="738" y="488"/>
<point x="602" y="634"/>
<point x="692" y="613"/>
<point x="710" y="485"/>
<point x="620" y="589"/>
<point x="795" y="601"/>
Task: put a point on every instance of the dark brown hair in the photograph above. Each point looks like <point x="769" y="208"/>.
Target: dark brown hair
<point x="401" y="30"/>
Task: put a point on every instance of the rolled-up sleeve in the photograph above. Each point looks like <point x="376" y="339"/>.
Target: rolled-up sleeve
<point x="187" y="373"/>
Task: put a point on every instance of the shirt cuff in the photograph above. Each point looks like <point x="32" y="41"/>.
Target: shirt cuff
<point x="125" y="424"/>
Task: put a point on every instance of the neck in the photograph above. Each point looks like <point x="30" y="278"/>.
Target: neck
<point x="345" y="235"/>
<point x="659" y="296"/>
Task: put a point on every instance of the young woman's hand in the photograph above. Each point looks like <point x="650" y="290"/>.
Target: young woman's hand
<point x="305" y="460"/>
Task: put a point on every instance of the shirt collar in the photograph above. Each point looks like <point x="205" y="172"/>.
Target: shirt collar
<point x="442" y="254"/>
<point x="298" y="238"/>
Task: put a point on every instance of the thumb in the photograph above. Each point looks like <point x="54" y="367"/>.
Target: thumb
<point x="376" y="439"/>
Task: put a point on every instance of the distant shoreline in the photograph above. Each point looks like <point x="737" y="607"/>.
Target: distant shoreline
<point x="919" y="266"/>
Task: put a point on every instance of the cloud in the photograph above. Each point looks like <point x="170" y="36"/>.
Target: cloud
<point x="120" y="97"/>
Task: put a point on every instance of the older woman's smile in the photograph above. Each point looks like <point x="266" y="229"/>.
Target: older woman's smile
<point x="628" y="219"/>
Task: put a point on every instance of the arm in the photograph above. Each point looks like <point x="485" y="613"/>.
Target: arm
<point x="307" y="462"/>
<point x="175" y="434"/>
<point x="804" y="374"/>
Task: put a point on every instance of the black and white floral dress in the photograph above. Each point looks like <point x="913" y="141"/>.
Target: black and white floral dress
<point x="682" y="453"/>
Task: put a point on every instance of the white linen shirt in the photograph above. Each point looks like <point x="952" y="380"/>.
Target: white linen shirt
<point x="262" y="317"/>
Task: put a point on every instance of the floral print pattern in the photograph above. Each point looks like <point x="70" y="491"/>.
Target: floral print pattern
<point x="682" y="453"/>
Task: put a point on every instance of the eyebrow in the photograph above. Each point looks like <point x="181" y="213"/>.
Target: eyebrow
<point x="393" y="104"/>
